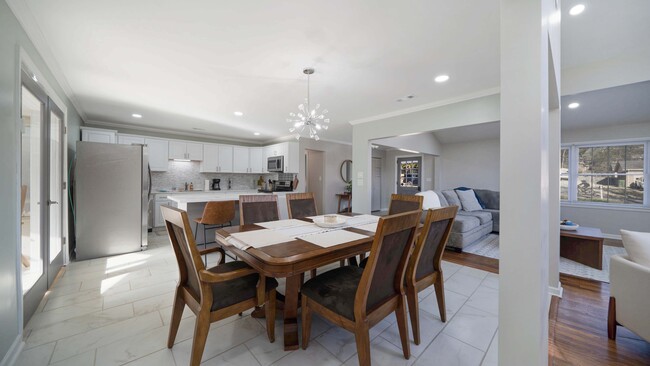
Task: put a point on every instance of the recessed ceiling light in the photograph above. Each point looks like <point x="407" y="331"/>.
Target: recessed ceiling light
<point x="136" y="115"/>
<point x="577" y="9"/>
<point x="441" y="78"/>
<point x="239" y="114"/>
<point x="256" y="133"/>
<point x="34" y="78"/>
<point x="574" y="105"/>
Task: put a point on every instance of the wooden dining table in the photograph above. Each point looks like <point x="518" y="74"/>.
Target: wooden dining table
<point x="291" y="260"/>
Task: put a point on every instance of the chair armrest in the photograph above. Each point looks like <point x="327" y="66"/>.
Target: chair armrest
<point x="211" y="277"/>
<point x="210" y="250"/>
<point x="630" y="286"/>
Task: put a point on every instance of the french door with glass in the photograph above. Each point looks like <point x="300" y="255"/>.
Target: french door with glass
<point x="41" y="193"/>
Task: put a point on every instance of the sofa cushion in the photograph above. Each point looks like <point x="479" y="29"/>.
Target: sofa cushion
<point x="451" y="197"/>
<point x="637" y="246"/>
<point x="441" y="197"/>
<point x="489" y="198"/>
<point x="464" y="223"/>
<point x="430" y="199"/>
<point x="468" y="200"/>
<point x="483" y="216"/>
<point x="495" y="219"/>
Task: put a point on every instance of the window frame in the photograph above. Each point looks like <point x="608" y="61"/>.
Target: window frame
<point x="573" y="173"/>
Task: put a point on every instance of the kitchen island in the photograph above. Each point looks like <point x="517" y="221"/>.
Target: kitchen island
<point x="194" y="204"/>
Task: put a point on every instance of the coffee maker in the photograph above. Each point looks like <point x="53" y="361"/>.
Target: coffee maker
<point x="215" y="184"/>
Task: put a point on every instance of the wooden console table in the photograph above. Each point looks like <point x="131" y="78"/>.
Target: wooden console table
<point x="584" y="245"/>
<point x="344" y="196"/>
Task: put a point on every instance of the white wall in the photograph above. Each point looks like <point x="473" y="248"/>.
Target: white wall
<point x="472" y="164"/>
<point x="609" y="220"/>
<point x="334" y="154"/>
<point x="425" y="143"/>
<point x="389" y="173"/>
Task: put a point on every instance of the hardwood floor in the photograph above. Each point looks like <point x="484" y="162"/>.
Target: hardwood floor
<point x="577" y="322"/>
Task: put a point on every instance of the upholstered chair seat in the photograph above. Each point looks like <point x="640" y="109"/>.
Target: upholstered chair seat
<point x="335" y="289"/>
<point x="236" y="290"/>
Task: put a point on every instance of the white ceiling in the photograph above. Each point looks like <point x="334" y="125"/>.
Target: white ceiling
<point x="190" y="64"/>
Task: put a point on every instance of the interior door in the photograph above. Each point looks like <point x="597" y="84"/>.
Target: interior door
<point x="376" y="184"/>
<point x="56" y="191"/>
<point x="409" y="170"/>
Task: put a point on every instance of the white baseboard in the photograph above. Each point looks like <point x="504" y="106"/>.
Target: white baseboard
<point x="612" y="236"/>
<point x="556" y="291"/>
<point x="14" y="351"/>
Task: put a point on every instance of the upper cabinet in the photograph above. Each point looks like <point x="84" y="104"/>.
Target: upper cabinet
<point x="158" y="154"/>
<point x="257" y="163"/>
<point x="129" y="139"/>
<point x="289" y="150"/>
<point x="217" y="158"/>
<point x="98" y="135"/>
<point x="184" y="150"/>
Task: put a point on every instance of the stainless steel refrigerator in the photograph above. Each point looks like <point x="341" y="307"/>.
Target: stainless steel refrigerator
<point x="111" y="199"/>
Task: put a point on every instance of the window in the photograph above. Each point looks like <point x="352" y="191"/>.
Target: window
<point x="605" y="174"/>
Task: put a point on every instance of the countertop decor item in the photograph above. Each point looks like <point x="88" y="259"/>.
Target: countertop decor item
<point x="328" y="222"/>
<point x="308" y="119"/>
<point x="568" y="225"/>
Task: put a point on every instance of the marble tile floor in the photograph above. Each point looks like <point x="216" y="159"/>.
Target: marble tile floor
<point x="116" y="311"/>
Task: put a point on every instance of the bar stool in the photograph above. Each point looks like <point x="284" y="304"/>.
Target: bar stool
<point x="216" y="214"/>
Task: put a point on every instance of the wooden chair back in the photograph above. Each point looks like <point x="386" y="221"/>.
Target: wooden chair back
<point x="383" y="276"/>
<point x="187" y="255"/>
<point x="404" y="203"/>
<point x="427" y="255"/>
<point x="301" y="205"/>
<point x="258" y="208"/>
<point x="218" y="212"/>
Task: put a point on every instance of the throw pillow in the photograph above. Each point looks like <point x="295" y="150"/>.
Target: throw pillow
<point x="451" y="197"/>
<point x="429" y="200"/>
<point x="637" y="246"/>
<point x="468" y="200"/>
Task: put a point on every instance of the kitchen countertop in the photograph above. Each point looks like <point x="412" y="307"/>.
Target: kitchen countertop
<point x="182" y="200"/>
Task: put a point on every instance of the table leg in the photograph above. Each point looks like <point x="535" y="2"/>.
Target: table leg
<point x="292" y="289"/>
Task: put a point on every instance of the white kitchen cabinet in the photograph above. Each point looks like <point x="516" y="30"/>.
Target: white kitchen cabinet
<point x="129" y="139"/>
<point x="158" y="218"/>
<point x="98" y="135"/>
<point x="240" y="160"/>
<point x="184" y="150"/>
<point x="291" y="157"/>
<point x="257" y="162"/>
<point x="217" y="159"/>
<point x="158" y="154"/>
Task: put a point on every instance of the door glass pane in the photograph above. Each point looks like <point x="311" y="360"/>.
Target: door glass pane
<point x="32" y="256"/>
<point x="56" y="181"/>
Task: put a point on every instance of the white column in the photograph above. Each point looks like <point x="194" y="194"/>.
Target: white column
<point x="554" y="284"/>
<point x="524" y="180"/>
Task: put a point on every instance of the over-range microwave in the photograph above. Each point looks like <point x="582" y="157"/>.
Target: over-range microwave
<point x="275" y="164"/>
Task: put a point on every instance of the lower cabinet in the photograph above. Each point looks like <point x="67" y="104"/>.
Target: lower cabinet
<point x="158" y="218"/>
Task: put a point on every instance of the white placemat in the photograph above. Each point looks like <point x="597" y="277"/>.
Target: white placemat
<point x="321" y="216"/>
<point x="257" y="238"/>
<point x="280" y="224"/>
<point x="362" y="220"/>
<point x="301" y="230"/>
<point x="368" y="227"/>
<point x="332" y="238"/>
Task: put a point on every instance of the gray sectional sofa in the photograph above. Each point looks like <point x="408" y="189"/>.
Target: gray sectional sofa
<point x="471" y="226"/>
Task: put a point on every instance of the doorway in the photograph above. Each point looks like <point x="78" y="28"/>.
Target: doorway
<point x="376" y="184"/>
<point x="41" y="193"/>
<point x="409" y="170"/>
<point x="314" y="168"/>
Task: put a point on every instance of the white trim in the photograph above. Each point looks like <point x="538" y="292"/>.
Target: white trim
<point x="288" y="138"/>
<point x="18" y="245"/>
<point x="422" y="107"/>
<point x="604" y="206"/>
<point x="556" y="291"/>
<point x="30" y="25"/>
<point x="14" y="351"/>
<point x="204" y="135"/>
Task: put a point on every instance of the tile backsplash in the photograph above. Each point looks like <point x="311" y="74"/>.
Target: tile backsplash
<point x="180" y="172"/>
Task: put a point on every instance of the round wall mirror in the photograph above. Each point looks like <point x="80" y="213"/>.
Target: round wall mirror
<point x="346" y="171"/>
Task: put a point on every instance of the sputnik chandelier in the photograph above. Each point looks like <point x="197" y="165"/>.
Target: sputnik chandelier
<point x="308" y="120"/>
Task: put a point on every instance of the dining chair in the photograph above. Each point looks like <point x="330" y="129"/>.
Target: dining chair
<point x="216" y="214"/>
<point x="255" y="208"/>
<point x="301" y="205"/>
<point x="424" y="267"/>
<point x="357" y="298"/>
<point x="404" y="203"/>
<point x="215" y="293"/>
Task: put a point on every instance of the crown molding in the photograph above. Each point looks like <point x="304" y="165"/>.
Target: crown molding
<point x="25" y="17"/>
<point x="422" y="107"/>
<point x="94" y="123"/>
<point x="292" y="138"/>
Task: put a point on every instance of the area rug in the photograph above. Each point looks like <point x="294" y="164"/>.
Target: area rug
<point x="489" y="247"/>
